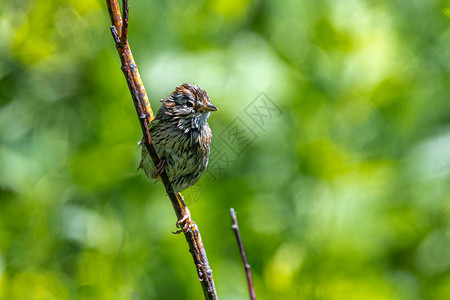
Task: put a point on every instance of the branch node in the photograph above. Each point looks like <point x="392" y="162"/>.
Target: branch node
<point x="144" y="116"/>
<point x="132" y="66"/>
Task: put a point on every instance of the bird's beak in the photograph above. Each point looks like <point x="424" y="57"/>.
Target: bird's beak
<point x="209" y="107"/>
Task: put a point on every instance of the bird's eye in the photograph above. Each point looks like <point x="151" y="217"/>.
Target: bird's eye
<point x="190" y="104"/>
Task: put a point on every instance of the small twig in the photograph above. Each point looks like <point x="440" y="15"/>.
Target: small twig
<point x="124" y="35"/>
<point x="248" y="271"/>
<point x="119" y="30"/>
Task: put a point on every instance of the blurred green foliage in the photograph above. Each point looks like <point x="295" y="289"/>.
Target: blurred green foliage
<point x="343" y="195"/>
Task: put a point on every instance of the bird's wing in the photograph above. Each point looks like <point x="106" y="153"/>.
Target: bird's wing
<point x="153" y="124"/>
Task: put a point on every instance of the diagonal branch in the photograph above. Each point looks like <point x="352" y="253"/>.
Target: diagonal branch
<point x="119" y="30"/>
<point x="247" y="268"/>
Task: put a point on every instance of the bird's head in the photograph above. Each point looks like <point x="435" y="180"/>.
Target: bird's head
<point x="188" y="103"/>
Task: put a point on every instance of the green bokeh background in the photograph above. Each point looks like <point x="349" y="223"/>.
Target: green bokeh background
<point x="343" y="194"/>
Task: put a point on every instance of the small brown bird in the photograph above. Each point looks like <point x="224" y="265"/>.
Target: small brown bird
<point x="181" y="137"/>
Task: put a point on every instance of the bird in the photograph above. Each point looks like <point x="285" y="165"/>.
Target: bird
<point x="181" y="137"/>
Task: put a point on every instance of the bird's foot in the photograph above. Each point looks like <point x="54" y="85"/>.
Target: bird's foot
<point x="159" y="167"/>
<point x="186" y="218"/>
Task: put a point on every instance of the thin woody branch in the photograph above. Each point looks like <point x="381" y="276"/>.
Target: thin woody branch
<point x="248" y="271"/>
<point x="119" y="30"/>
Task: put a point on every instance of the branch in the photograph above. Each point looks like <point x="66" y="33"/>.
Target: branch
<point x="248" y="271"/>
<point x="119" y="30"/>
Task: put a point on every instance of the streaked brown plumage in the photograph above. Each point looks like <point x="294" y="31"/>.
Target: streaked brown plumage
<point x="181" y="136"/>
